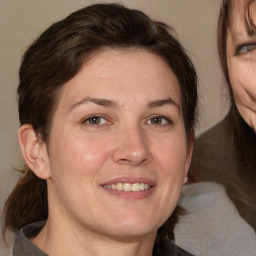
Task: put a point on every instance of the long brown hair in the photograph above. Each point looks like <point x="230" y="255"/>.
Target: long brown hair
<point x="57" y="56"/>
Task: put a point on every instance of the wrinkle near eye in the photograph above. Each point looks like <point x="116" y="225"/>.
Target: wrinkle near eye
<point x="245" y="48"/>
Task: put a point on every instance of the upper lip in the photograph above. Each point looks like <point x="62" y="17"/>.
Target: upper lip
<point x="132" y="180"/>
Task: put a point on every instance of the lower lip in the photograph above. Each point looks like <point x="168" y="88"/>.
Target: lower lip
<point x="131" y="195"/>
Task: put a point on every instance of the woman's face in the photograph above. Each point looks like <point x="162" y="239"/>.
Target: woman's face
<point x="241" y="59"/>
<point x="118" y="153"/>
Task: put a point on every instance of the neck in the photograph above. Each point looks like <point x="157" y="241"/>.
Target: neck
<point x="57" y="239"/>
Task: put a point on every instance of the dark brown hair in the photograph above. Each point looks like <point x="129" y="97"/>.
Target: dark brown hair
<point x="244" y="136"/>
<point x="58" y="55"/>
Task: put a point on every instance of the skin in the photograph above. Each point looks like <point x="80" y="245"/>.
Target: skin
<point x="136" y="134"/>
<point x="241" y="60"/>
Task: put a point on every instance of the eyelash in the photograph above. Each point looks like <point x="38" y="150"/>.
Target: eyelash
<point x="251" y="47"/>
<point x="168" y="120"/>
<point x="87" y="120"/>
<point x="90" y="120"/>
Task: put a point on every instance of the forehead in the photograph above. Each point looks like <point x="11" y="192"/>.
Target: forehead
<point x="242" y="13"/>
<point x="137" y="63"/>
<point x="237" y="12"/>
<point x="241" y="20"/>
<point x="118" y="72"/>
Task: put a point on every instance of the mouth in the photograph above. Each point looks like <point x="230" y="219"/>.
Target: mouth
<point x="128" y="187"/>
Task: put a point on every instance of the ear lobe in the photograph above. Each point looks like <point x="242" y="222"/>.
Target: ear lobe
<point x="34" y="151"/>
<point x="185" y="180"/>
<point x="189" y="156"/>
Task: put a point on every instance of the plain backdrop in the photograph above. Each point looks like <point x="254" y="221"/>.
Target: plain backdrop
<point x="21" y="21"/>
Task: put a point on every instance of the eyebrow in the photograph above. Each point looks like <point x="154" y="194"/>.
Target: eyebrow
<point x="97" y="101"/>
<point x="160" y="103"/>
<point x="242" y="35"/>
<point x="250" y="32"/>
<point x="113" y="104"/>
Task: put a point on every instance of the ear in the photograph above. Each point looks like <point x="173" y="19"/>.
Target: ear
<point x="189" y="156"/>
<point x="34" y="151"/>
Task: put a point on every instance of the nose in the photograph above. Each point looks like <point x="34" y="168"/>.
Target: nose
<point x="132" y="148"/>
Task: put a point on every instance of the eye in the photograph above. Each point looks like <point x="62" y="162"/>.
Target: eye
<point x="95" y="120"/>
<point x="245" y="48"/>
<point x="159" y="120"/>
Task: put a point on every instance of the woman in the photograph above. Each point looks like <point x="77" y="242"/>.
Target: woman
<point x="236" y="164"/>
<point x="106" y="96"/>
<point x="226" y="154"/>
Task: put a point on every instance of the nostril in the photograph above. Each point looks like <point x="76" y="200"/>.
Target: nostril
<point x="133" y="162"/>
<point x="124" y="160"/>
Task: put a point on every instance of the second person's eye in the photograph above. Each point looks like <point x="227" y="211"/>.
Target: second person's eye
<point x="246" y="48"/>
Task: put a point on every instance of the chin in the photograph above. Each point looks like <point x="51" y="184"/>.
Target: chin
<point x="134" y="228"/>
<point x="133" y="234"/>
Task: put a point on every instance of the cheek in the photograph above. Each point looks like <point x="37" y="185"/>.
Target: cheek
<point x="172" y="158"/>
<point x="79" y="155"/>
<point x="171" y="153"/>
<point x="243" y="79"/>
<point x="235" y="80"/>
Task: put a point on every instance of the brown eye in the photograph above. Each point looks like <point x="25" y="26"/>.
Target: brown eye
<point x="159" y="120"/>
<point x="95" y="120"/>
<point x="156" y="120"/>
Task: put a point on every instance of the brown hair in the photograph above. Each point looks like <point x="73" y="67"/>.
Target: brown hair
<point x="57" y="56"/>
<point x="243" y="135"/>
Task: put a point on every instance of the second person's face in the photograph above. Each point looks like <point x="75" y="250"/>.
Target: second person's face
<point x="241" y="60"/>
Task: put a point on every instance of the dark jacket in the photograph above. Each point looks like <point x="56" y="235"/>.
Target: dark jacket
<point x="24" y="247"/>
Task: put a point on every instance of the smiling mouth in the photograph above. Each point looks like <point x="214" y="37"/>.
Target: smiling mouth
<point x="127" y="187"/>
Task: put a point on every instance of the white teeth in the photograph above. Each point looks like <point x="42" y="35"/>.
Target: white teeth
<point x="136" y="187"/>
<point x="128" y="186"/>
<point x="119" y="186"/>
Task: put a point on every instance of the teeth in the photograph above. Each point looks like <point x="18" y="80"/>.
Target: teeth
<point x="136" y="187"/>
<point x="119" y="186"/>
<point x="128" y="186"/>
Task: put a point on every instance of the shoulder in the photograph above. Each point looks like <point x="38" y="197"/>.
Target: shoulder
<point x="166" y="247"/>
<point x="23" y="246"/>
<point x="212" y="225"/>
<point x="6" y="248"/>
<point x="217" y="131"/>
<point x="178" y="251"/>
<point x="214" y="155"/>
<point x="219" y="136"/>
